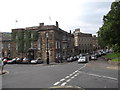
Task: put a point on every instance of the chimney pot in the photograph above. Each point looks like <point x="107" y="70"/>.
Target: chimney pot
<point x="41" y="24"/>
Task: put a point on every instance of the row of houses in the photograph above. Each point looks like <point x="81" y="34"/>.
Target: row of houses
<point x="43" y="40"/>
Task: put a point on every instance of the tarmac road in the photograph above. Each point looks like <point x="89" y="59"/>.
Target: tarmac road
<point x="95" y="74"/>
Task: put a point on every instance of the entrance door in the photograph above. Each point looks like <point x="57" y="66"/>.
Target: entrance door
<point x="31" y="54"/>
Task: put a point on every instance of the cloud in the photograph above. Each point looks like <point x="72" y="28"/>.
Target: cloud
<point x="70" y="14"/>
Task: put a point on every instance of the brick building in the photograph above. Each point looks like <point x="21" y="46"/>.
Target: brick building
<point x="36" y="41"/>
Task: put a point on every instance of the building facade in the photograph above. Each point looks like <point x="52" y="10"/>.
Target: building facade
<point x="83" y="42"/>
<point x="95" y="43"/>
<point x="5" y="43"/>
<point x="42" y="40"/>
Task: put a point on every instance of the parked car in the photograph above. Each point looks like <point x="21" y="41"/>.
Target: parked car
<point x="75" y="58"/>
<point x="11" y="61"/>
<point x="19" y="60"/>
<point x="37" y="61"/>
<point x="5" y="59"/>
<point x="69" y="59"/>
<point x="93" y="57"/>
<point x="103" y="52"/>
<point x="25" y="60"/>
<point x="82" y="59"/>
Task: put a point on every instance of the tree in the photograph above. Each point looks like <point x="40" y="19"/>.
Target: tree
<point x="109" y="34"/>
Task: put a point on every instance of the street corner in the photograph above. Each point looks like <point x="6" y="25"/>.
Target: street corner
<point x="4" y="72"/>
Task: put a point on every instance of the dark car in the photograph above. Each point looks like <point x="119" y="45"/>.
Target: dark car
<point x="75" y="58"/>
<point x="70" y="59"/>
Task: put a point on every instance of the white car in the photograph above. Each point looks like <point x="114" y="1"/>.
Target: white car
<point x="82" y="59"/>
<point x="38" y="60"/>
<point x="33" y="61"/>
<point x="93" y="57"/>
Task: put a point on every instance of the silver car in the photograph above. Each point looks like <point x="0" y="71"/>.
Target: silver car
<point x="82" y="59"/>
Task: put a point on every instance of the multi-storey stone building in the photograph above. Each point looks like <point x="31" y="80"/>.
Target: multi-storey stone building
<point x="95" y="43"/>
<point x="36" y="41"/>
<point x="83" y="42"/>
<point x="5" y="40"/>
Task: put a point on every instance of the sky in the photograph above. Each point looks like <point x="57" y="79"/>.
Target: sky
<point x="70" y="14"/>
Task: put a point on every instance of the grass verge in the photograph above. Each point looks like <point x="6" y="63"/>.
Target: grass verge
<point x="112" y="56"/>
<point x="116" y="59"/>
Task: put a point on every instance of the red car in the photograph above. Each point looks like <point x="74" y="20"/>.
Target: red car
<point x="5" y="60"/>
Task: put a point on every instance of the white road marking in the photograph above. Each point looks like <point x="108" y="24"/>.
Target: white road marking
<point x="110" y="77"/>
<point x="99" y="75"/>
<point x="63" y="84"/>
<point x="94" y="75"/>
<point x="74" y="72"/>
<point x="82" y="67"/>
<point x="68" y="80"/>
<point x="75" y="75"/>
<point x="62" y="79"/>
<point x="70" y="76"/>
<point x="67" y="77"/>
<point x="56" y="83"/>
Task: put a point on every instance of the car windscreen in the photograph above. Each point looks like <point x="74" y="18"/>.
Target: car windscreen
<point x="82" y="57"/>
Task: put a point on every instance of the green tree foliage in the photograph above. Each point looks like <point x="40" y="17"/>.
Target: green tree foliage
<point x="23" y="39"/>
<point x="20" y="41"/>
<point x="27" y="39"/>
<point x="13" y="36"/>
<point x="109" y="33"/>
<point x="34" y="35"/>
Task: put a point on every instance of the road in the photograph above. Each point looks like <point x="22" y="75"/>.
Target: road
<point x="95" y="74"/>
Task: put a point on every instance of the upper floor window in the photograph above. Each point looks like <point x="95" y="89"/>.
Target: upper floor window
<point x="31" y="44"/>
<point x="57" y="44"/>
<point x="39" y="45"/>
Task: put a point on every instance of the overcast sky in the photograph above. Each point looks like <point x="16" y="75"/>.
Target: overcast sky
<point x="71" y="14"/>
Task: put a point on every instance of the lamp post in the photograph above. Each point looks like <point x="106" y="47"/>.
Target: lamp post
<point x="47" y="53"/>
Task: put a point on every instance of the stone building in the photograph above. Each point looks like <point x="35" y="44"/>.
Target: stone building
<point x="83" y="42"/>
<point x="33" y="42"/>
<point x="5" y="42"/>
<point x="95" y="43"/>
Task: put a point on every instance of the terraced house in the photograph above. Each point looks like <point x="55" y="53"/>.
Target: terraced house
<point x="42" y="40"/>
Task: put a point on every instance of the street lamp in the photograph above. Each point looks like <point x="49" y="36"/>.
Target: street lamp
<point x="47" y="53"/>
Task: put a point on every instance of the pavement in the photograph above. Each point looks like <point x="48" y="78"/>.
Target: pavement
<point x="4" y="72"/>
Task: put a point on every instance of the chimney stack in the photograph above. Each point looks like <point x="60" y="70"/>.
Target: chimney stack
<point x="57" y="25"/>
<point x="41" y="24"/>
<point x="70" y="31"/>
<point x="77" y="30"/>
